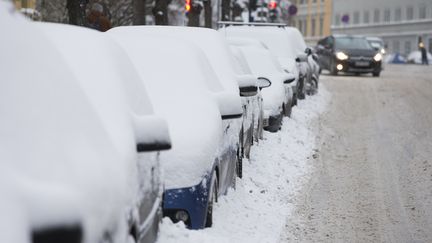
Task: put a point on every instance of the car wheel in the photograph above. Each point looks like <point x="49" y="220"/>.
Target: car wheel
<point x="301" y="91"/>
<point x="376" y="74"/>
<point x="212" y="199"/>
<point x="239" y="164"/>
<point x="288" y="108"/>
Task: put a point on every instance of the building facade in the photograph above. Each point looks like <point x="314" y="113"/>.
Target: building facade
<point x="400" y="23"/>
<point x="313" y="19"/>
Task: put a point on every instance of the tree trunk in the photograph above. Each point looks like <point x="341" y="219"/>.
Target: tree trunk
<point x="139" y="13"/>
<point x="76" y="12"/>
<point x="207" y="14"/>
<point x="226" y="10"/>
<point x="160" y="12"/>
<point x="194" y="15"/>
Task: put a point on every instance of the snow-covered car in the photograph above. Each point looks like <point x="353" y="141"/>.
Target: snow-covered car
<point x="278" y="97"/>
<point x="217" y="52"/>
<point x="256" y="114"/>
<point x="73" y="149"/>
<point x="278" y="43"/>
<point x="305" y="54"/>
<point x="186" y="91"/>
<point x="272" y="72"/>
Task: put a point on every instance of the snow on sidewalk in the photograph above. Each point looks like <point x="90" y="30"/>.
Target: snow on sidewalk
<point x="256" y="211"/>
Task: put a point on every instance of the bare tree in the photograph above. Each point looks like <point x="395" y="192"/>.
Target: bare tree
<point x="208" y="14"/>
<point x="139" y="12"/>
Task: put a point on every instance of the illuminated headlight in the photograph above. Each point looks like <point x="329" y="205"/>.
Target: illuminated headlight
<point x="378" y="57"/>
<point x="341" y="56"/>
<point x="383" y="51"/>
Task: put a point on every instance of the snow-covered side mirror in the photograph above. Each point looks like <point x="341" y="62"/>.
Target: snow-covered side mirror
<point x="263" y="82"/>
<point x="151" y="134"/>
<point x="247" y="85"/>
<point x="289" y="78"/>
<point x="301" y="58"/>
<point x="308" y="51"/>
<point x="229" y="105"/>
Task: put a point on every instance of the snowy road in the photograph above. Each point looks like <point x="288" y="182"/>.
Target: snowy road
<point x="372" y="180"/>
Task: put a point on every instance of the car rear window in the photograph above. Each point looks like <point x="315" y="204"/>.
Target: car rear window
<point x="352" y="43"/>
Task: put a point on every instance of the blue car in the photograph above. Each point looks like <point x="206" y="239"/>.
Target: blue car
<point x="202" y="119"/>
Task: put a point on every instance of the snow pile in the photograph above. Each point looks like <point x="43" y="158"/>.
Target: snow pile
<point x="416" y="57"/>
<point x="258" y="209"/>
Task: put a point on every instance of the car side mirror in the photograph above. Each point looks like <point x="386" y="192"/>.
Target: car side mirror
<point x="263" y="83"/>
<point x="151" y="134"/>
<point x="247" y="85"/>
<point x="308" y="51"/>
<point x="289" y="78"/>
<point x="301" y="58"/>
<point x="229" y="105"/>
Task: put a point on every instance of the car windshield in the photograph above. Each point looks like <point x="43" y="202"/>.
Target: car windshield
<point x="376" y="44"/>
<point x="352" y="43"/>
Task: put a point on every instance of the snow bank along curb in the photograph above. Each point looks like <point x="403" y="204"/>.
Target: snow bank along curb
<point x="256" y="211"/>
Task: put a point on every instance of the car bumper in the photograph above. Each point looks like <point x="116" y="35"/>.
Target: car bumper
<point x="358" y="66"/>
<point x="192" y="200"/>
<point x="273" y="123"/>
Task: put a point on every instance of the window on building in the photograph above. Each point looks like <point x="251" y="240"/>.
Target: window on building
<point x="302" y="1"/>
<point x="313" y="27"/>
<point x="321" y="26"/>
<point x="376" y="16"/>
<point x="407" y="47"/>
<point x="337" y="19"/>
<point x="396" y="46"/>
<point x="366" y="17"/>
<point x="356" y="17"/>
<point x="398" y="14"/>
<point x="410" y="13"/>
<point x="387" y="15"/>
<point x="314" y="1"/>
<point x="422" y="11"/>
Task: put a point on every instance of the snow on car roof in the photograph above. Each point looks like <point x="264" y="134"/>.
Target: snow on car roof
<point x="175" y="71"/>
<point x="51" y="132"/>
<point x="297" y="40"/>
<point x="209" y="41"/>
<point x="275" y="38"/>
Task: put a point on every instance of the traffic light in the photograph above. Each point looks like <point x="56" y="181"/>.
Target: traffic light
<point x="272" y="5"/>
<point x="188" y="6"/>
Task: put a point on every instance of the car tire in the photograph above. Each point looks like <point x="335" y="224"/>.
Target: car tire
<point x="239" y="164"/>
<point x="376" y="74"/>
<point x="212" y="199"/>
<point x="287" y="109"/>
<point x="301" y="92"/>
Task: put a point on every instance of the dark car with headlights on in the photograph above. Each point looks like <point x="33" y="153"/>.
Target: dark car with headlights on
<point x="350" y="54"/>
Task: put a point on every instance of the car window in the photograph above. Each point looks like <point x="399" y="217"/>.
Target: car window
<point x="376" y="44"/>
<point x="352" y="43"/>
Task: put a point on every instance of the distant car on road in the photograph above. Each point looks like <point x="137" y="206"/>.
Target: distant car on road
<point x="350" y="54"/>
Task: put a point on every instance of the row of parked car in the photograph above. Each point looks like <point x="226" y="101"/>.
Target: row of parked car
<point x="102" y="134"/>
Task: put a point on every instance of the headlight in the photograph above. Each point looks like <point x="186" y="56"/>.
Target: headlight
<point x="383" y="51"/>
<point x="341" y="56"/>
<point x="378" y="57"/>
